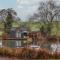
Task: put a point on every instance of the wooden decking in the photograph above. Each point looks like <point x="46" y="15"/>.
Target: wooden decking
<point x="14" y="39"/>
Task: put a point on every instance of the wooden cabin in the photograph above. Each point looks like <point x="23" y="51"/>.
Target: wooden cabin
<point x="17" y="38"/>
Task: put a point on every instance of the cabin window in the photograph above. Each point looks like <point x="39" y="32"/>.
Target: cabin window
<point x="24" y="34"/>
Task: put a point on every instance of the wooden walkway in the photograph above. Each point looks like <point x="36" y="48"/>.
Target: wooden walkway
<point x="14" y="39"/>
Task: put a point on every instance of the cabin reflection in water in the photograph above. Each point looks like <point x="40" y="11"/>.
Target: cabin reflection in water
<point x="14" y="41"/>
<point x="16" y="38"/>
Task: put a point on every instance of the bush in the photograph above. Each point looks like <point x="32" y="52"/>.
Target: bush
<point x="29" y="53"/>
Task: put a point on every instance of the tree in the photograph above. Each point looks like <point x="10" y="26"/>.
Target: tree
<point x="47" y="13"/>
<point x="8" y="15"/>
<point x="8" y="24"/>
<point x="4" y="13"/>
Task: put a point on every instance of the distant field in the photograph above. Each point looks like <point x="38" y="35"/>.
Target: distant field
<point x="35" y="26"/>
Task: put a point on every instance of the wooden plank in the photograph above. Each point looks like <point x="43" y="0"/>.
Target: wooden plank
<point x="14" y="39"/>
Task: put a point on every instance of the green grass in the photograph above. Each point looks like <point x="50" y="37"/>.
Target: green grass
<point x="35" y="26"/>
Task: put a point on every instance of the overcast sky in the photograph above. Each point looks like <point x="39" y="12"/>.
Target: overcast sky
<point x="27" y="7"/>
<point x="24" y="8"/>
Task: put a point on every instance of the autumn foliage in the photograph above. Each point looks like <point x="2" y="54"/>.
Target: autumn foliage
<point x="29" y="53"/>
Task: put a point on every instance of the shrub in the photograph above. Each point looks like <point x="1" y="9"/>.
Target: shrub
<point x="29" y="53"/>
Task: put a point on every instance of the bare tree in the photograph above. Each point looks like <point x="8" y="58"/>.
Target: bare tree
<point x="47" y="12"/>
